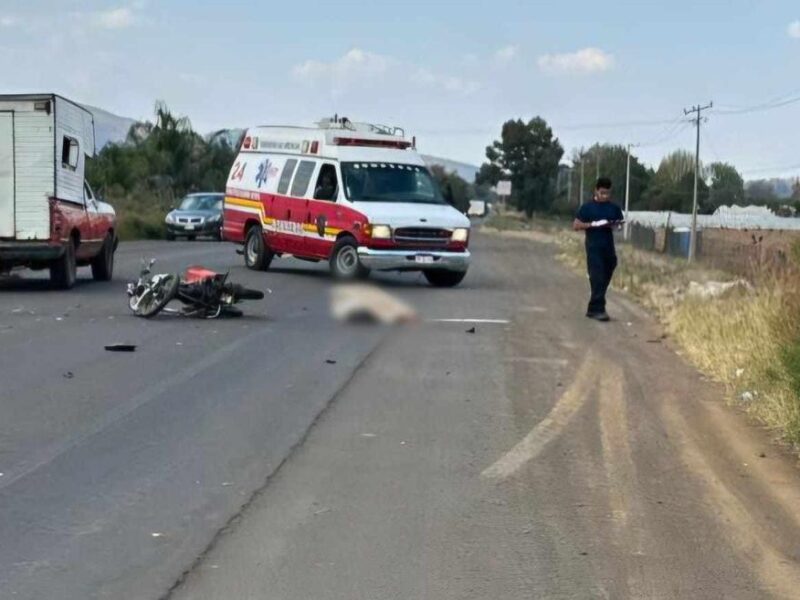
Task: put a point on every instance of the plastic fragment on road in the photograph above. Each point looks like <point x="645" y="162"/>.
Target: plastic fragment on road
<point x="121" y="348"/>
<point x="156" y="534"/>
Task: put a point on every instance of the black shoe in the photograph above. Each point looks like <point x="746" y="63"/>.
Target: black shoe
<point x="599" y="316"/>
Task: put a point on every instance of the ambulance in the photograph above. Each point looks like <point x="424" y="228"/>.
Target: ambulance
<point x="355" y="195"/>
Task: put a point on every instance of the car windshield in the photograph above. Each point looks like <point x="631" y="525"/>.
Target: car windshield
<point x="389" y="182"/>
<point x="209" y="202"/>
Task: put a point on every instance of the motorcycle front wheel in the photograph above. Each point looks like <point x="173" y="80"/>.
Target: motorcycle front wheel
<point x="156" y="297"/>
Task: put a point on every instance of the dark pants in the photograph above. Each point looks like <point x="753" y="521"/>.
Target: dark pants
<point x="601" y="265"/>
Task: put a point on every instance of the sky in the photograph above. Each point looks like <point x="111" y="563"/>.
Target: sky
<point x="448" y="72"/>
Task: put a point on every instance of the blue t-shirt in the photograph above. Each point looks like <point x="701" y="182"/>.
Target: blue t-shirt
<point x="600" y="238"/>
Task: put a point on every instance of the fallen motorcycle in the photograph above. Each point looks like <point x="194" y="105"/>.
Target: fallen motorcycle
<point x="204" y="293"/>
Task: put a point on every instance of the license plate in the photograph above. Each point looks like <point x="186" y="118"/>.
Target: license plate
<point x="189" y="228"/>
<point x="424" y="260"/>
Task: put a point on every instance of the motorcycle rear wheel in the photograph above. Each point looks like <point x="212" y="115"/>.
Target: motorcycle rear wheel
<point x="239" y="292"/>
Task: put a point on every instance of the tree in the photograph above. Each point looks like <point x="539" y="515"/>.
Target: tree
<point x="727" y="187"/>
<point x="165" y="159"/>
<point x="611" y="161"/>
<point x="672" y="186"/>
<point x="761" y="192"/>
<point x="455" y="189"/>
<point x="529" y="155"/>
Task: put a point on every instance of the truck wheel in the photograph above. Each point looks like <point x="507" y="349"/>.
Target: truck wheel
<point x="256" y="254"/>
<point x="103" y="263"/>
<point x="63" y="271"/>
<point x="444" y="278"/>
<point x="344" y="260"/>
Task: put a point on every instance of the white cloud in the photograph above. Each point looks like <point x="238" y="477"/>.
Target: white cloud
<point x="8" y="21"/>
<point x="794" y="29"/>
<point x="359" y="69"/>
<point x="506" y="54"/>
<point x="353" y="67"/>
<point x="588" y="60"/>
<point x="117" y="18"/>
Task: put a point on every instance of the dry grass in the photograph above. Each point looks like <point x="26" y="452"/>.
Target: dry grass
<point x="748" y="340"/>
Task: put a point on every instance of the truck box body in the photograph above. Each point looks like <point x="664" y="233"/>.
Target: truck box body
<point x="44" y="142"/>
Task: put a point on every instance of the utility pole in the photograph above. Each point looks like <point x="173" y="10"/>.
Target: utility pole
<point x="698" y="110"/>
<point x="628" y="192"/>
<point x="569" y="187"/>
<point x="580" y="200"/>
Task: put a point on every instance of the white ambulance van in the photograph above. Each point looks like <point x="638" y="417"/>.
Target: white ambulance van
<point x="353" y="194"/>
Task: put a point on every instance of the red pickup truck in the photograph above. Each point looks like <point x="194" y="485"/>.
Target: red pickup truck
<point x="49" y="217"/>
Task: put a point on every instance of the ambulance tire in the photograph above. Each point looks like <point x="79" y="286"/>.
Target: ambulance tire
<point x="344" y="262"/>
<point x="444" y="278"/>
<point x="256" y="254"/>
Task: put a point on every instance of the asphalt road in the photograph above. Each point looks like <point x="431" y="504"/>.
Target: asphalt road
<point x="546" y="457"/>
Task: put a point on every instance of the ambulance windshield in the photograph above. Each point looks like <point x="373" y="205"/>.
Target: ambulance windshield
<point x="389" y="182"/>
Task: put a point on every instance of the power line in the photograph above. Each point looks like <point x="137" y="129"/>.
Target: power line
<point x="778" y="102"/>
<point x="678" y="127"/>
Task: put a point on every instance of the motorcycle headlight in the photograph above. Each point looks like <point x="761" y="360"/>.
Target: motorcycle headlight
<point x="460" y="235"/>
<point x="381" y="232"/>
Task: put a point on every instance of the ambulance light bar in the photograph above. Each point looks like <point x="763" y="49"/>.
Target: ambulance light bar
<point x="349" y="141"/>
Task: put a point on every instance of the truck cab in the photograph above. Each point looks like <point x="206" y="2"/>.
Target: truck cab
<point x="49" y="215"/>
<point x="356" y="195"/>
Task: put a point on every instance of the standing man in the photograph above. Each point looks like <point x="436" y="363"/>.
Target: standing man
<point x="598" y="219"/>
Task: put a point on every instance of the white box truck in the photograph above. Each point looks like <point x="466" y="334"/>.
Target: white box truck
<point x="49" y="217"/>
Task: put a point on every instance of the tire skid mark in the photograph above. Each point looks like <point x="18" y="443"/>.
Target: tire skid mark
<point x="628" y="522"/>
<point x="552" y="425"/>
<point x="779" y="574"/>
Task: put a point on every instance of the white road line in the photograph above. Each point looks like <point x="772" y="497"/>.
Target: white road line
<point x="488" y="321"/>
<point x="551" y="426"/>
<point x="538" y="360"/>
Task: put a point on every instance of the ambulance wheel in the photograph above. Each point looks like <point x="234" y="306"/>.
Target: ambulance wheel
<point x="344" y="260"/>
<point x="444" y="278"/>
<point x="64" y="270"/>
<point x="256" y="254"/>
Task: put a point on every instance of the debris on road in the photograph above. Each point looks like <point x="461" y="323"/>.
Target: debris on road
<point x="121" y="348"/>
<point x="362" y="303"/>
<point x="69" y="375"/>
<point x="471" y="330"/>
<point x="156" y="534"/>
<point x="330" y="361"/>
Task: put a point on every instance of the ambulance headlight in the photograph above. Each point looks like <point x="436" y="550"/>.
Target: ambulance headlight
<point x="460" y="235"/>
<point x="381" y="232"/>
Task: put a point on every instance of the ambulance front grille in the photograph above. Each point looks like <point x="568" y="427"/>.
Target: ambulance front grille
<point x="428" y="236"/>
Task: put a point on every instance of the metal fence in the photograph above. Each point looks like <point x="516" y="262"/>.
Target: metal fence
<point x="746" y="246"/>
